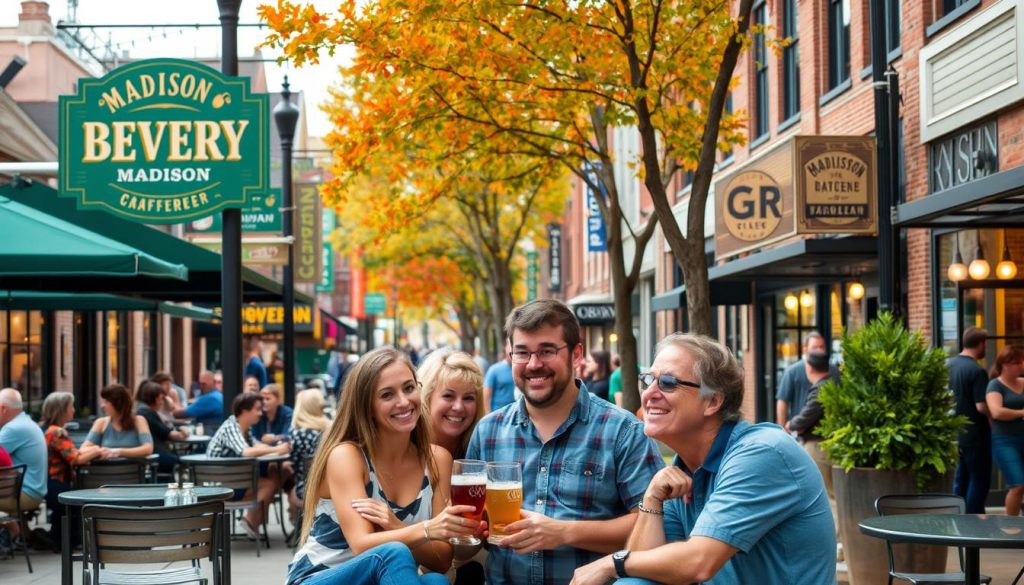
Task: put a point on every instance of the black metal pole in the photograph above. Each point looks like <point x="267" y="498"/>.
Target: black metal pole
<point x="287" y="136"/>
<point x="231" y="243"/>
<point x="879" y="59"/>
<point x="893" y="79"/>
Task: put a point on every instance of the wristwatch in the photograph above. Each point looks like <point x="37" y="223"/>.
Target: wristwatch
<point x="619" y="558"/>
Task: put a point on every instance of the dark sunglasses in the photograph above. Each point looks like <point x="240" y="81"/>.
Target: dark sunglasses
<point x="666" y="382"/>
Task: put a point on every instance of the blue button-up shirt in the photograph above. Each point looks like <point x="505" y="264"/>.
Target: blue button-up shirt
<point x="596" y="466"/>
<point x="759" y="492"/>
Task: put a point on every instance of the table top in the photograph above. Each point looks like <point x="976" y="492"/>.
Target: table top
<point x="972" y="530"/>
<point x="265" y="458"/>
<point x="149" y="458"/>
<point x="139" y="495"/>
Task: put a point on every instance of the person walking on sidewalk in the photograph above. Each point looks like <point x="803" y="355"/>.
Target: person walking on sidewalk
<point x="968" y="382"/>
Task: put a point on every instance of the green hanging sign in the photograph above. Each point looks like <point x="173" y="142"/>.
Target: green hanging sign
<point x="164" y="141"/>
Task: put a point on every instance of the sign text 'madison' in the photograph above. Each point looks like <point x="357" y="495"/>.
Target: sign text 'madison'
<point x="163" y="141"/>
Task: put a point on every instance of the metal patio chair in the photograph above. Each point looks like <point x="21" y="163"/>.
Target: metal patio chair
<point x="11" y="479"/>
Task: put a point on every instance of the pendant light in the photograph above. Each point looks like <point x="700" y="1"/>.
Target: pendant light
<point x="791" y="302"/>
<point x="979" y="268"/>
<point x="957" y="270"/>
<point x="1006" y="269"/>
<point x="856" y="290"/>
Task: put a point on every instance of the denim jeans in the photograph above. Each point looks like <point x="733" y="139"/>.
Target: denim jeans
<point x="973" y="473"/>
<point x="387" y="564"/>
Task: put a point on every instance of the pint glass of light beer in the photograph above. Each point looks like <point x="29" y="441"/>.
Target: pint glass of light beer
<point x="504" y="497"/>
<point x="469" y="486"/>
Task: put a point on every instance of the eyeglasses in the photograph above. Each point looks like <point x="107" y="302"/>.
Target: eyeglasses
<point x="544" y="354"/>
<point x="666" y="383"/>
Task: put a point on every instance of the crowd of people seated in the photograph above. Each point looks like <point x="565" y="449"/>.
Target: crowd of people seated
<point x="371" y="486"/>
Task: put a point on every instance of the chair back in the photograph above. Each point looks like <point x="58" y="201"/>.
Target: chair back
<point x="134" y="535"/>
<point x="917" y="504"/>
<point x="99" y="473"/>
<point x="237" y="473"/>
<point x="11" y="479"/>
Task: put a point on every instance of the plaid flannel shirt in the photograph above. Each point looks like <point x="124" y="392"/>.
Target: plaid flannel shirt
<point x="596" y="466"/>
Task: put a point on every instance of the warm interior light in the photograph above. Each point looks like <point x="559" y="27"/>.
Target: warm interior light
<point x="613" y="338"/>
<point x="979" y="268"/>
<point x="791" y="302"/>
<point x="957" y="270"/>
<point x="856" y="291"/>
<point x="1006" y="269"/>
<point x="806" y="299"/>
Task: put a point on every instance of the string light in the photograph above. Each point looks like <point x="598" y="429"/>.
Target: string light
<point x="791" y="302"/>
<point x="1006" y="269"/>
<point x="856" y="291"/>
<point x="979" y="268"/>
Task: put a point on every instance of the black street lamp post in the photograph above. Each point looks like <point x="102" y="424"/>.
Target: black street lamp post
<point x="286" y="116"/>
<point x="231" y="236"/>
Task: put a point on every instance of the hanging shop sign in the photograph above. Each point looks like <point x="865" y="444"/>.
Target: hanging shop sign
<point x="555" y="257"/>
<point x="163" y="141"/>
<point x="374" y="303"/>
<point x="804" y="185"/>
<point x="597" y="236"/>
<point x="269" y="318"/>
<point x="253" y="253"/>
<point x="326" y="283"/>
<point x="308" y="240"/>
<point x="836" y="185"/>
<point x="261" y="214"/>
<point x="595" y="314"/>
<point x="532" y="269"/>
<point x="754" y="204"/>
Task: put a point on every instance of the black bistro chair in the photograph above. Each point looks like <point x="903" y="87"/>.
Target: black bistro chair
<point x="237" y="473"/>
<point x="923" y="504"/>
<point x="157" y="535"/>
<point x="11" y="479"/>
<point x="99" y="473"/>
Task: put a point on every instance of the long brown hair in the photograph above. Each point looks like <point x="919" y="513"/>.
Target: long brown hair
<point x="1008" y="355"/>
<point x="121" y="399"/>
<point x="355" y="424"/>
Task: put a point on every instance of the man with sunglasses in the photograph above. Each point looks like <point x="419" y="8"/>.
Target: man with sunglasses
<point x="734" y="487"/>
<point x="585" y="463"/>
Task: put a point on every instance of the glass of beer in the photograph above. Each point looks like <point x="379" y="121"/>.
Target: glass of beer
<point x="504" y="497"/>
<point x="469" y="486"/>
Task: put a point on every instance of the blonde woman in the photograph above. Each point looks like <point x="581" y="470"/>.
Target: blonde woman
<point x="453" y="391"/>
<point x="377" y="488"/>
<point x="308" y="424"/>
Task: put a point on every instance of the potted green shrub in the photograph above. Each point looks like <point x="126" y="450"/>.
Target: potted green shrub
<point x="889" y="428"/>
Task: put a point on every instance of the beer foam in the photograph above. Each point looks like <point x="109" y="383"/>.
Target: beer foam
<point x="477" y="479"/>
<point x="504" y="485"/>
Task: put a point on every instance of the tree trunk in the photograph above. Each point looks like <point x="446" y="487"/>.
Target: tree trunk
<point x="501" y="300"/>
<point x="698" y="296"/>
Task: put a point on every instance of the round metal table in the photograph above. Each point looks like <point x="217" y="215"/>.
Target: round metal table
<point x="123" y="495"/>
<point x="970" y="531"/>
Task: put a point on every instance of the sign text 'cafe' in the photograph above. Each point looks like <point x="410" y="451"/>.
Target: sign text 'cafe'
<point x="163" y="141"/>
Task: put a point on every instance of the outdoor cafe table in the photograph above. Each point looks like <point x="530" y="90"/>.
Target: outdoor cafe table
<point x="130" y="495"/>
<point x="969" y="531"/>
<point x="191" y="442"/>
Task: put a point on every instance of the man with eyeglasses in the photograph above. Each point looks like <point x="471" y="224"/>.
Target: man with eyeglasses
<point x="585" y="463"/>
<point x="734" y="487"/>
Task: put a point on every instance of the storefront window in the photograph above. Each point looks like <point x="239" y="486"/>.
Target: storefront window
<point x="794" y="318"/>
<point x="997" y="306"/>
<point x="117" y="347"/>
<point x="21" y="355"/>
<point x="149" y="321"/>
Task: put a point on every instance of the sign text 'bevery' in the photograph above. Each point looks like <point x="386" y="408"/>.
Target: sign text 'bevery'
<point x="163" y="141"/>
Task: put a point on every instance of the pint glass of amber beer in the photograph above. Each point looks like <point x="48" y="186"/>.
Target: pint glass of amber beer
<point x="504" y="497"/>
<point x="469" y="485"/>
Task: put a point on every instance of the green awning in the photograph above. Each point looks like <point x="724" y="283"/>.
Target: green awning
<point x="37" y="244"/>
<point x="204" y="267"/>
<point x="19" y="300"/>
<point x="190" y="312"/>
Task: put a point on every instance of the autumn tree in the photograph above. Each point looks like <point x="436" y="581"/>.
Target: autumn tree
<point x="410" y="195"/>
<point x="551" y="79"/>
